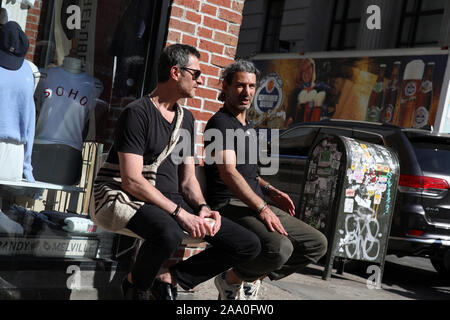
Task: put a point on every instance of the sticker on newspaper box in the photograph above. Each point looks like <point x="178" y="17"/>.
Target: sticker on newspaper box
<point x="348" y="205"/>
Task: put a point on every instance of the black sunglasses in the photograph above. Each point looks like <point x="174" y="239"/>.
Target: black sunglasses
<point x="195" y="75"/>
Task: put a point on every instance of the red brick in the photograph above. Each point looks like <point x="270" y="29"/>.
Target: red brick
<point x="214" y="23"/>
<point x="194" y="102"/>
<point x="204" y="56"/>
<point x="30" y="34"/>
<point x="174" y="36"/>
<point x="32" y="19"/>
<point x="221" y="61"/>
<point x="230" y="51"/>
<point x="211" y="46"/>
<point x="187" y="39"/>
<point x="193" y="17"/>
<point x="204" y="32"/>
<point x="237" y="6"/>
<point x="209" y="70"/>
<point x="192" y="4"/>
<point x="181" y="25"/>
<point x="212" y="106"/>
<point x="229" y="15"/>
<point x="214" y="83"/>
<point x="177" y="12"/>
<point x="199" y="115"/>
<point x="206" y="93"/>
<point x="31" y="26"/>
<point x="208" y="9"/>
<point x="234" y="29"/>
<point x="225" y="38"/>
<point x="34" y="11"/>
<point x="221" y="3"/>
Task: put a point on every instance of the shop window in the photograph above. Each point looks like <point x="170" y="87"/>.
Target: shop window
<point x="271" y="39"/>
<point x="420" y="23"/>
<point x="93" y="57"/>
<point x="344" y="25"/>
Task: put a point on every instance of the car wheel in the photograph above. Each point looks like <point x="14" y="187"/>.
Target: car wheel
<point x="440" y="267"/>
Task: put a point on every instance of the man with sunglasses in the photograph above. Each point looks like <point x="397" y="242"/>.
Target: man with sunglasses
<point x="175" y="203"/>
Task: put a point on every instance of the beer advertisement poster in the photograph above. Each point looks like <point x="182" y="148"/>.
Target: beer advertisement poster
<point x="395" y="89"/>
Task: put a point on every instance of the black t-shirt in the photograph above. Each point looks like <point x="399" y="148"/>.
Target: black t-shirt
<point x="141" y="129"/>
<point x="246" y="150"/>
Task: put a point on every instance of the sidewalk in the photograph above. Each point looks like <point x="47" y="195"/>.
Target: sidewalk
<point x="308" y="285"/>
<point x="403" y="280"/>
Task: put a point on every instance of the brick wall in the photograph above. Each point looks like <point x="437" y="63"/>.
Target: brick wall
<point x="32" y="27"/>
<point x="212" y="26"/>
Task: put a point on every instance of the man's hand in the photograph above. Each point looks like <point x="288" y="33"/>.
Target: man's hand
<point x="281" y="200"/>
<point x="272" y="221"/>
<point x="206" y="212"/>
<point x="198" y="226"/>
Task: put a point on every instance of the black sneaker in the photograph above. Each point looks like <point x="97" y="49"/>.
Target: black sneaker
<point x="163" y="290"/>
<point x="130" y="292"/>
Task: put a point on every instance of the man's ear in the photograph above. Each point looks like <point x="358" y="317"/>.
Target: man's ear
<point x="224" y="86"/>
<point x="174" y="73"/>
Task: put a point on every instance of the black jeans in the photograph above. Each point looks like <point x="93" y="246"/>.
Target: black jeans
<point x="232" y="245"/>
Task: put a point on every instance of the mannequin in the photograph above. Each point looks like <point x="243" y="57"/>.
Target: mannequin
<point x="66" y="99"/>
<point x="17" y="109"/>
<point x="72" y="64"/>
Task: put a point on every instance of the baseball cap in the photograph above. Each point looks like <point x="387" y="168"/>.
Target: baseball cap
<point x="13" y="46"/>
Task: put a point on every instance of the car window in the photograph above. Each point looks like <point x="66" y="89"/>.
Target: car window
<point x="433" y="157"/>
<point x="297" y="141"/>
<point x="336" y="131"/>
<point x="368" y="137"/>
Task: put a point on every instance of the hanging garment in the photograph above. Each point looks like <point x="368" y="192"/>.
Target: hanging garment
<point x="129" y="46"/>
<point x="17" y="110"/>
<point x="65" y="101"/>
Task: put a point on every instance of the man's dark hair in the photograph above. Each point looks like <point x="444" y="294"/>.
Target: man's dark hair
<point x="174" y="55"/>
<point x="238" y="66"/>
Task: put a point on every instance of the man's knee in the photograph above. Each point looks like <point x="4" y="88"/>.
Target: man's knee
<point x="251" y="248"/>
<point x="319" y="246"/>
<point x="170" y="240"/>
<point x="278" y="253"/>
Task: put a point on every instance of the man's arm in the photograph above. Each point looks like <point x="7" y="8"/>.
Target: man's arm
<point x="134" y="183"/>
<point x="226" y="163"/>
<point x="281" y="199"/>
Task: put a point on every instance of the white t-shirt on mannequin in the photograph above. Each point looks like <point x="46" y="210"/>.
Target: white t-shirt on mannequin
<point x="64" y="99"/>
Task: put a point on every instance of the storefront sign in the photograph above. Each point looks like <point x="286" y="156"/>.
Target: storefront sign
<point x="46" y="247"/>
<point x="398" y="89"/>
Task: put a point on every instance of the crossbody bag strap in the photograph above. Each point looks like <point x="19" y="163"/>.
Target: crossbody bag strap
<point x="173" y="139"/>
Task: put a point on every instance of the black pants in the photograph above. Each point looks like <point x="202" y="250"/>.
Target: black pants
<point x="232" y="245"/>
